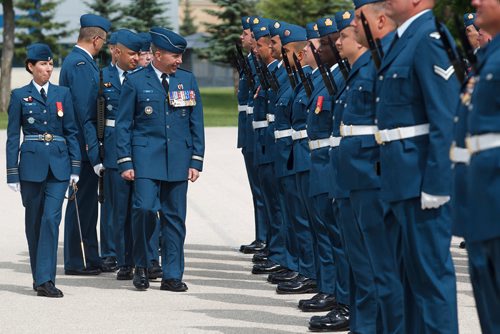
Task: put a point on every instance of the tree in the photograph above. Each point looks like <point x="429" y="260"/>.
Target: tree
<point x="301" y="12"/>
<point x="447" y="10"/>
<point x="141" y="15"/>
<point x="7" y="53"/>
<point x="108" y="9"/>
<point x="187" y="27"/>
<point x="39" y="25"/>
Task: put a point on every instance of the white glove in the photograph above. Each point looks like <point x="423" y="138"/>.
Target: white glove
<point x="15" y="187"/>
<point x="73" y="178"/>
<point x="98" y="169"/>
<point x="432" y="202"/>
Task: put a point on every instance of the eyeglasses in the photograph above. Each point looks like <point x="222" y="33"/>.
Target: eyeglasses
<point x="99" y="37"/>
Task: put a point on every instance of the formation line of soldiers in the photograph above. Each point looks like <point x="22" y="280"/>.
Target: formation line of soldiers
<point x="135" y="128"/>
<point x="364" y="153"/>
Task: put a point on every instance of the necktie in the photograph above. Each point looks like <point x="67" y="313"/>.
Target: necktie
<point x="124" y="75"/>
<point x="44" y="95"/>
<point x="164" y="82"/>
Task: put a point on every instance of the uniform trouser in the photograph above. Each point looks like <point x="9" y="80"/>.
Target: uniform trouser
<point x="260" y="214"/>
<point x="362" y="291"/>
<point x="155" y="242"/>
<point x="377" y="230"/>
<point x="43" y="202"/>
<point x="484" y="268"/>
<point x="423" y="238"/>
<point x="300" y="257"/>
<point x="119" y="195"/>
<point x="106" y="223"/>
<point x="172" y="209"/>
<point x="274" y="204"/>
<point x="316" y="238"/>
<point x="88" y="209"/>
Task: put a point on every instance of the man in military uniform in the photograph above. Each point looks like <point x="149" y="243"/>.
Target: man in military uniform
<point x="471" y="31"/>
<point x="414" y="91"/>
<point x="145" y="55"/>
<point x="160" y="120"/>
<point x="79" y="72"/>
<point x="482" y="231"/>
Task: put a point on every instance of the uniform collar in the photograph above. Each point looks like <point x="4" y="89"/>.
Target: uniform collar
<point x="402" y="28"/>
<point x="159" y="73"/>
<point x="38" y="87"/>
<point x="88" y="53"/>
<point x="334" y="67"/>
<point x="120" y="73"/>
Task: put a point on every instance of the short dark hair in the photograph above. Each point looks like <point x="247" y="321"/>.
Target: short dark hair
<point x="86" y="34"/>
<point x="29" y="61"/>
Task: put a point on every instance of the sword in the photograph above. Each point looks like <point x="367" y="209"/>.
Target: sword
<point x="75" y="189"/>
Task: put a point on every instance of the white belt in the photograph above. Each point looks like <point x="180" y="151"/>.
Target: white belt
<point x="482" y="142"/>
<point x="357" y="130"/>
<point x="259" y="124"/>
<point x="459" y="154"/>
<point x="283" y="133"/>
<point x="296" y="135"/>
<point x="249" y="110"/>
<point x="325" y="142"/>
<point x="385" y="136"/>
<point x="270" y="118"/>
<point x="110" y="122"/>
<point x="242" y="108"/>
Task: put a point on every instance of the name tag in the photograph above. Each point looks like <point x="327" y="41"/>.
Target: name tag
<point x="182" y="98"/>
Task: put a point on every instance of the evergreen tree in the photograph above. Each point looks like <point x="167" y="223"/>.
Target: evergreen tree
<point x="141" y="15"/>
<point x="39" y="24"/>
<point x="108" y="9"/>
<point x="187" y="27"/>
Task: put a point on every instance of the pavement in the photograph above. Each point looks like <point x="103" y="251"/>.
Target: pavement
<point x="223" y="296"/>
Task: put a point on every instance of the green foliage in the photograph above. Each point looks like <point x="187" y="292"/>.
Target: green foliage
<point x="41" y="26"/>
<point x="141" y="15"/>
<point x="446" y="11"/>
<point x="223" y="35"/>
<point x="108" y="9"/>
<point x="301" y="11"/>
<point x="218" y="106"/>
<point x="187" y="27"/>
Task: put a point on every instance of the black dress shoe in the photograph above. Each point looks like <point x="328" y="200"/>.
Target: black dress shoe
<point x="316" y="296"/>
<point x="125" y="273"/>
<point x="324" y="302"/>
<point x="285" y="276"/>
<point x="253" y="248"/>
<point x="173" y="284"/>
<point x="462" y="245"/>
<point x="267" y="268"/>
<point x="261" y="256"/>
<point x="155" y="271"/>
<point x="109" y="264"/>
<point x="83" y="272"/>
<point x="34" y="286"/>
<point x="299" y="284"/>
<point x="335" y="320"/>
<point x="141" y="281"/>
<point x="48" y="289"/>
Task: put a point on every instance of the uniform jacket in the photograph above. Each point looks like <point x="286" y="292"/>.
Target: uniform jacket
<point x="29" y="112"/>
<point x="157" y="140"/>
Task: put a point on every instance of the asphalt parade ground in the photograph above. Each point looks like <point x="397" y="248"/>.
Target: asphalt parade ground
<point x="223" y="295"/>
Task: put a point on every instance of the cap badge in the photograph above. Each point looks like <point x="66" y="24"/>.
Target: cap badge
<point x="328" y="22"/>
<point x="470" y="17"/>
<point x="277" y="25"/>
<point x="287" y="33"/>
<point x="346" y="16"/>
<point x="256" y="21"/>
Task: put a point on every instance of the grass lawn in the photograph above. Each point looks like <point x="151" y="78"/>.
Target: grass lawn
<point x="219" y="105"/>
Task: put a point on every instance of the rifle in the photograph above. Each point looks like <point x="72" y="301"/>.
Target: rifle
<point x="270" y="77"/>
<point x="288" y="68"/>
<point x="375" y="46"/>
<point x="245" y="66"/>
<point x="235" y="62"/>
<point x="262" y="78"/>
<point x="325" y="74"/>
<point x="340" y="61"/>
<point x="457" y="63"/>
<point x="101" y="123"/>
<point x="469" y="51"/>
<point x="305" y="81"/>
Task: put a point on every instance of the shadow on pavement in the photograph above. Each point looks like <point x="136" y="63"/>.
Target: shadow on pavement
<point x="238" y="299"/>
<point x="259" y="317"/>
<point x="244" y="330"/>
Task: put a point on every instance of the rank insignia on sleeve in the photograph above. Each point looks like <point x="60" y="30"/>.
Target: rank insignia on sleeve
<point x="59" y="107"/>
<point x="319" y="104"/>
<point x="80" y="63"/>
<point x="107" y="84"/>
<point x="445" y="74"/>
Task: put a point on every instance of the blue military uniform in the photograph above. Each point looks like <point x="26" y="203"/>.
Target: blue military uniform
<point x="166" y="128"/>
<point x="415" y="128"/>
<point x="482" y="231"/>
<point x="43" y="163"/>
<point x="80" y="74"/>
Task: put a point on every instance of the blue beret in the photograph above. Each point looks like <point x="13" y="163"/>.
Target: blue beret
<point x="39" y="51"/>
<point x="254" y="20"/>
<point x="360" y="3"/>
<point x="91" y="20"/>
<point x="129" y="39"/>
<point x="343" y="19"/>
<point x="292" y="33"/>
<point x="276" y="27"/>
<point x="260" y="30"/>
<point x="469" y="19"/>
<point x="326" y="26"/>
<point x="112" y="38"/>
<point x="146" y="41"/>
<point x="167" y="40"/>
<point x="245" y="22"/>
<point x="312" y="30"/>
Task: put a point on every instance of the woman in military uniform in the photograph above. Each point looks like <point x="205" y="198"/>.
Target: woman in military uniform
<point x="41" y="167"/>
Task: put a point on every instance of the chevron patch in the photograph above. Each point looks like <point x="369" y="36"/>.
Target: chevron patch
<point x="435" y="35"/>
<point x="445" y="74"/>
